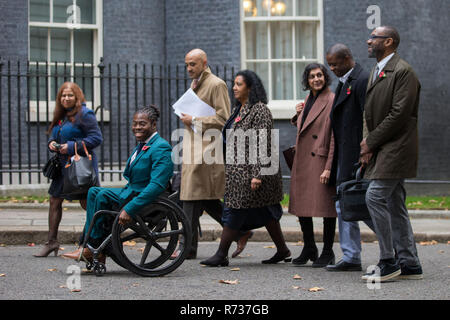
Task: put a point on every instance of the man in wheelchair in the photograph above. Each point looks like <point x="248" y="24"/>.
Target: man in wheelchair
<point x="148" y="171"/>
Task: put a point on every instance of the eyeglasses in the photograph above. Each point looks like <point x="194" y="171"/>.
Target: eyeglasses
<point x="371" y="37"/>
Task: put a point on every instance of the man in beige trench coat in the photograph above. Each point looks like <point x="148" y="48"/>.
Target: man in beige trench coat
<point x="389" y="151"/>
<point x="203" y="182"/>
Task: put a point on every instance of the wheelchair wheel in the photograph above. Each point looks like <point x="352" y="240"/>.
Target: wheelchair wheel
<point x="160" y="226"/>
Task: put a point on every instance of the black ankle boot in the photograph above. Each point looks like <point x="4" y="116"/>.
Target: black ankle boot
<point x="308" y="253"/>
<point x="285" y="256"/>
<point x="326" y="258"/>
<point x="216" y="261"/>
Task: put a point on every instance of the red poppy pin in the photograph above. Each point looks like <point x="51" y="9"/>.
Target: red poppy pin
<point x="145" y="148"/>
<point x="237" y="119"/>
<point x="349" y="90"/>
<point x="382" y="74"/>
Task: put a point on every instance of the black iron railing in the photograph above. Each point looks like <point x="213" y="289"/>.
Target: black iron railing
<point x="113" y="91"/>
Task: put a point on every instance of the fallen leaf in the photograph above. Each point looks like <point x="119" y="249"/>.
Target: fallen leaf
<point x="235" y="269"/>
<point x="295" y="287"/>
<point x="428" y="243"/>
<point x="2" y="275"/>
<point x="63" y="286"/>
<point x="432" y="201"/>
<point x="297" y="277"/>
<point x="52" y="270"/>
<point x="4" y="245"/>
<point x="129" y="243"/>
<point x="300" y="243"/>
<point x="64" y="209"/>
<point x="229" y="281"/>
<point x="86" y="270"/>
<point x="135" y="285"/>
<point x="31" y="244"/>
<point x="75" y="290"/>
<point x="316" y="289"/>
<point x="269" y="247"/>
<point x="441" y="251"/>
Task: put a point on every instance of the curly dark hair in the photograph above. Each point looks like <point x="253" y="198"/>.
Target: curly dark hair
<point x="307" y="71"/>
<point x="253" y="82"/>
<point x="151" y="111"/>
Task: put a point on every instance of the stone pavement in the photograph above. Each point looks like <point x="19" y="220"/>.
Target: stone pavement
<point x="23" y="223"/>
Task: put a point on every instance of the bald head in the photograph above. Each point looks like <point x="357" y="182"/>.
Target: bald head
<point x="340" y="50"/>
<point x="196" y="62"/>
<point x="198" y="53"/>
<point x="340" y="59"/>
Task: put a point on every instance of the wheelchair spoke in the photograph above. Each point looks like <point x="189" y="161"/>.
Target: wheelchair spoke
<point x="129" y="237"/>
<point x="157" y="246"/>
<point x="165" y="234"/>
<point x="148" y="246"/>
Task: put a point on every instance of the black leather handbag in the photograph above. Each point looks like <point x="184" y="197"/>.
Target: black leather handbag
<point x="289" y="155"/>
<point x="79" y="174"/>
<point x="52" y="168"/>
<point x="352" y="198"/>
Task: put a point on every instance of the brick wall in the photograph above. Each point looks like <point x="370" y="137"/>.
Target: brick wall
<point x="424" y="44"/>
<point x="14" y="29"/>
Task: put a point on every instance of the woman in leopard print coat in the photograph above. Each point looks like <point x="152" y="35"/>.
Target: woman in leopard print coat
<point x="253" y="188"/>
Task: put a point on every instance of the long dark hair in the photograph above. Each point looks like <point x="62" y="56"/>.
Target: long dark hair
<point x="308" y="70"/>
<point x="257" y="92"/>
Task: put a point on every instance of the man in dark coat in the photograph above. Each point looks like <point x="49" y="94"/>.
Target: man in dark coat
<point x="390" y="152"/>
<point x="347" y="123"/>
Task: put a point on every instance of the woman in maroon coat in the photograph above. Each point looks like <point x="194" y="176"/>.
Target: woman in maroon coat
<point x="310" y="194"/>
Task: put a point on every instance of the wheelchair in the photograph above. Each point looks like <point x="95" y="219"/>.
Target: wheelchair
<point x="159" y="225"/>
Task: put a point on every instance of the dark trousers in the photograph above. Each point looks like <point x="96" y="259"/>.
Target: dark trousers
<point x="194" y="209"/>
<point x="386" y="203"/>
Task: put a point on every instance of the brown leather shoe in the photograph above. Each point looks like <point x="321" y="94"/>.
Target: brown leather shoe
<point x="241" y="243"/>
<point x="84" y="254"/>
<point x="175" y="254"/>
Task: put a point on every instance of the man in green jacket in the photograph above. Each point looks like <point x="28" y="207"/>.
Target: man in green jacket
<point x="389" y="151"/>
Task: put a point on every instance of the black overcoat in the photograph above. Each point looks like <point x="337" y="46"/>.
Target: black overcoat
<point x="347" y="124"/>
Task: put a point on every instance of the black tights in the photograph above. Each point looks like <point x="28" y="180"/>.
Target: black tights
<point x="229" y="235"/>
<point x="329" y="227"/>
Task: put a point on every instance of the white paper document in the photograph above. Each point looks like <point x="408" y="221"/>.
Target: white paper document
<point x="189" y="103"/>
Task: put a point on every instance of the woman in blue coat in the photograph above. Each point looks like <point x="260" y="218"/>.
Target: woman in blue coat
<point x="72" y="123"/>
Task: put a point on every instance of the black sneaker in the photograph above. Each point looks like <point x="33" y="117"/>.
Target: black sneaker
<point x="387" y="272"/>
<point x="411" y="273"/>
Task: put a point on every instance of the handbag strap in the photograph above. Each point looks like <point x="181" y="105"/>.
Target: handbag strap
<point x="86" y="151"/>
<point x="77" y="156"/>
